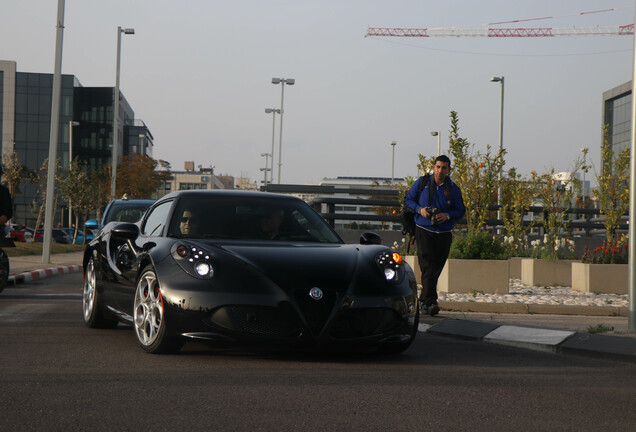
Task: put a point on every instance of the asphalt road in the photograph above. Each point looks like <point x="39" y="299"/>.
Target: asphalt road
<point x="58" y="375"/>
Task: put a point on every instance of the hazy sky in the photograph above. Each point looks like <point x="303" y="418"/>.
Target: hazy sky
<point x="198" y="72"/>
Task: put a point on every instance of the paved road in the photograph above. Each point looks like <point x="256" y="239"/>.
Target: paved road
<point x="59" y="375"/>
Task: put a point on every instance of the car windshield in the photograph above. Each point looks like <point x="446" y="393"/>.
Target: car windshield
<point x="125" y="212"/>
<point x="249" y="218"/>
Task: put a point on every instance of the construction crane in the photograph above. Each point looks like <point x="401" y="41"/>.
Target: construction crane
<point x="626" y="30"/>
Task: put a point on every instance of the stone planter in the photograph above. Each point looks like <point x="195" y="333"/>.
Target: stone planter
<point x="537" y="272"/>
<point x="600" y="278"/>
<point x="465" y="276"/>
<point x="412" y="261"/>
<point x="514" y="267"/>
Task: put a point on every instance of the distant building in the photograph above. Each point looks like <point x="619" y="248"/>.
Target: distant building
<point x="25" y="122"/>
<point x="617" y="114"/>
<point x="358" y="182"/>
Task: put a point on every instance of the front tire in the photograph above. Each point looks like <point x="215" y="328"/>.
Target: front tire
<point x="91" y="302"/>
<point x="149" y="319"/>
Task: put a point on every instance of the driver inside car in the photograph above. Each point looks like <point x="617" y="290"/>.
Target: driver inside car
<point x="269" y="223"/>
<point x="187" y="223"/>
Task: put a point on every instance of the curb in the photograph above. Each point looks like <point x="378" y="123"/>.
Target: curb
<point x="555" y="341"/>
<point x="32" y="275"/>
<point x="539" y="309"/>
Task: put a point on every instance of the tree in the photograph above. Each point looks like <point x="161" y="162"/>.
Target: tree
<point x="39" y="178"/>
<point x="138" y="177"/>
<point x="13" y="173"/>
<point x="77" y="187"/>
<point x="613" y="186"/>
<point x="519" y="194"/>
<point x="476" y="174"/>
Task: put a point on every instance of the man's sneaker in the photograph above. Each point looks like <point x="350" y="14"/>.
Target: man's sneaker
<point x="433" y="309"/>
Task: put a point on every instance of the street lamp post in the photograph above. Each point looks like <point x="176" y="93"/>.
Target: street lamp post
<point x="584" y="150"/>
<point x="273" y="111"/>
<point x="438" y="135"/>
<point x="116" y="111"/>
<point x="282" y="82"/>
<point x="266" y="156"/>
<point x="393" y="143"/>
<point x="501" y="116"/>
<point x="70" y="160"/>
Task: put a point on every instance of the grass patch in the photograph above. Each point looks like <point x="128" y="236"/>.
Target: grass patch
<point x="599" y="328"/>
<point x="32" y="248"/>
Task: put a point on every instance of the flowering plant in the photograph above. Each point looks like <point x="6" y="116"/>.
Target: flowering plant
<point x="477" y="245"/>
<point x="405" y="247"/>
<point x="550" y="249"/>
<point x="608" y="253"/>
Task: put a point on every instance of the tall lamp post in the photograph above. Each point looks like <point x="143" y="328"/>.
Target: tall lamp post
<point x="393" y="143"/>
<point x="70" y="160"/>
<point x="55" y="118"/>
<point x="584" y="150"/>
<point x="273" y="111"/>
<point x="282" y="82"/>
<point x="501" y="116"/>
<point x="266" y="156"/>
<point x="116" y="111"/>
<point x="438" y="135"/>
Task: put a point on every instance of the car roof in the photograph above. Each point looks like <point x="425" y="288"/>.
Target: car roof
<point x="227" y="193"/>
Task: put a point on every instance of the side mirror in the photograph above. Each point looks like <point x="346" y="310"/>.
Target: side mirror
<point x="91" y="224"/>
<point x="369" y="238"/>
<point x="125" y="230"/>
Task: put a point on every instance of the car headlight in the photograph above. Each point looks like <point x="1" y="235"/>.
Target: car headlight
<point x="390" y="264"/>
<point x="193" y="260"/>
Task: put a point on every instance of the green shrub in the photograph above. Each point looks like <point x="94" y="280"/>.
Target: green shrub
<point x="477" y="245"/>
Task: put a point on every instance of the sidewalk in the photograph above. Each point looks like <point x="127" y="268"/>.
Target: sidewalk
<point x="30" y="267"/>
<point x="554" y="328"/>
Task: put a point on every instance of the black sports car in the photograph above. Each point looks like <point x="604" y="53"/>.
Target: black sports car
<point x="232" y="267"/>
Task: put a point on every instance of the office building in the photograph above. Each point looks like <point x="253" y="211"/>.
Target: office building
<point x="25" y="121"/>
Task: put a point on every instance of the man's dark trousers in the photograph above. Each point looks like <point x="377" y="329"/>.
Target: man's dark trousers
<point x="432" y="253"/>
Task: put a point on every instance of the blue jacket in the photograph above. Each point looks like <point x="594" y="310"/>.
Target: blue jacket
<point x="453" y="204"/>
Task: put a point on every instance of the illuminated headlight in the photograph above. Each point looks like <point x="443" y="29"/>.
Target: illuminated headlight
<point x="389" y="273"/>
<point x="194" y="261"/>
<point x="389" y="262"/>
<point x="203" y="268"/>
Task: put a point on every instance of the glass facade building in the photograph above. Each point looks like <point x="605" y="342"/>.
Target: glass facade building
<point x="25" y="122"/>
<point x="617" y="115"/>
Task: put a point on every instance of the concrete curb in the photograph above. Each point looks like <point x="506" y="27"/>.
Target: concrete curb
<point x="523" y="308"/>
<point x="43" y="273"/>
<point x="556" y="341"/>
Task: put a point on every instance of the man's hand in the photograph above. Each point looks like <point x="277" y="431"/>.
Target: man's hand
<point x="442" y="217"/>
<point x="424" y="212"/>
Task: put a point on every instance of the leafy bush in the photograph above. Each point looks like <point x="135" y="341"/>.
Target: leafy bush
<point x="477" y="245"/>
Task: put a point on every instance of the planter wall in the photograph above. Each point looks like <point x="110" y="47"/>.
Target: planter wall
<point x="412" y="261"/>
<point x="464" y="276"/>
<point x="514" y="267"/>
<point x="537" y="272"/>
<point x="600" y="278"/>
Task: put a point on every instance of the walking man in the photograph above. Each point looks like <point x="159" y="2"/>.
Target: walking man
<point x="438" y="204"/>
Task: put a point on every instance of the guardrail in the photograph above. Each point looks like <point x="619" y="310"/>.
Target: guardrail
<point x="587" y="221"/>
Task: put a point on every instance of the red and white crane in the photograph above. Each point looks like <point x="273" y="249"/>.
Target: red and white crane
<point x="488" y="31"/>
<point x="626" y="30"/>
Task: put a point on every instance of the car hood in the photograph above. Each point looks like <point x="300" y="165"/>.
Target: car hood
<point x="302" y="266"/>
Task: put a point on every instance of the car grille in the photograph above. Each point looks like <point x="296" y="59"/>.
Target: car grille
<point x="316" y="312"/>
<point x="356" y="323"/>
<point x="256" y="321"/>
